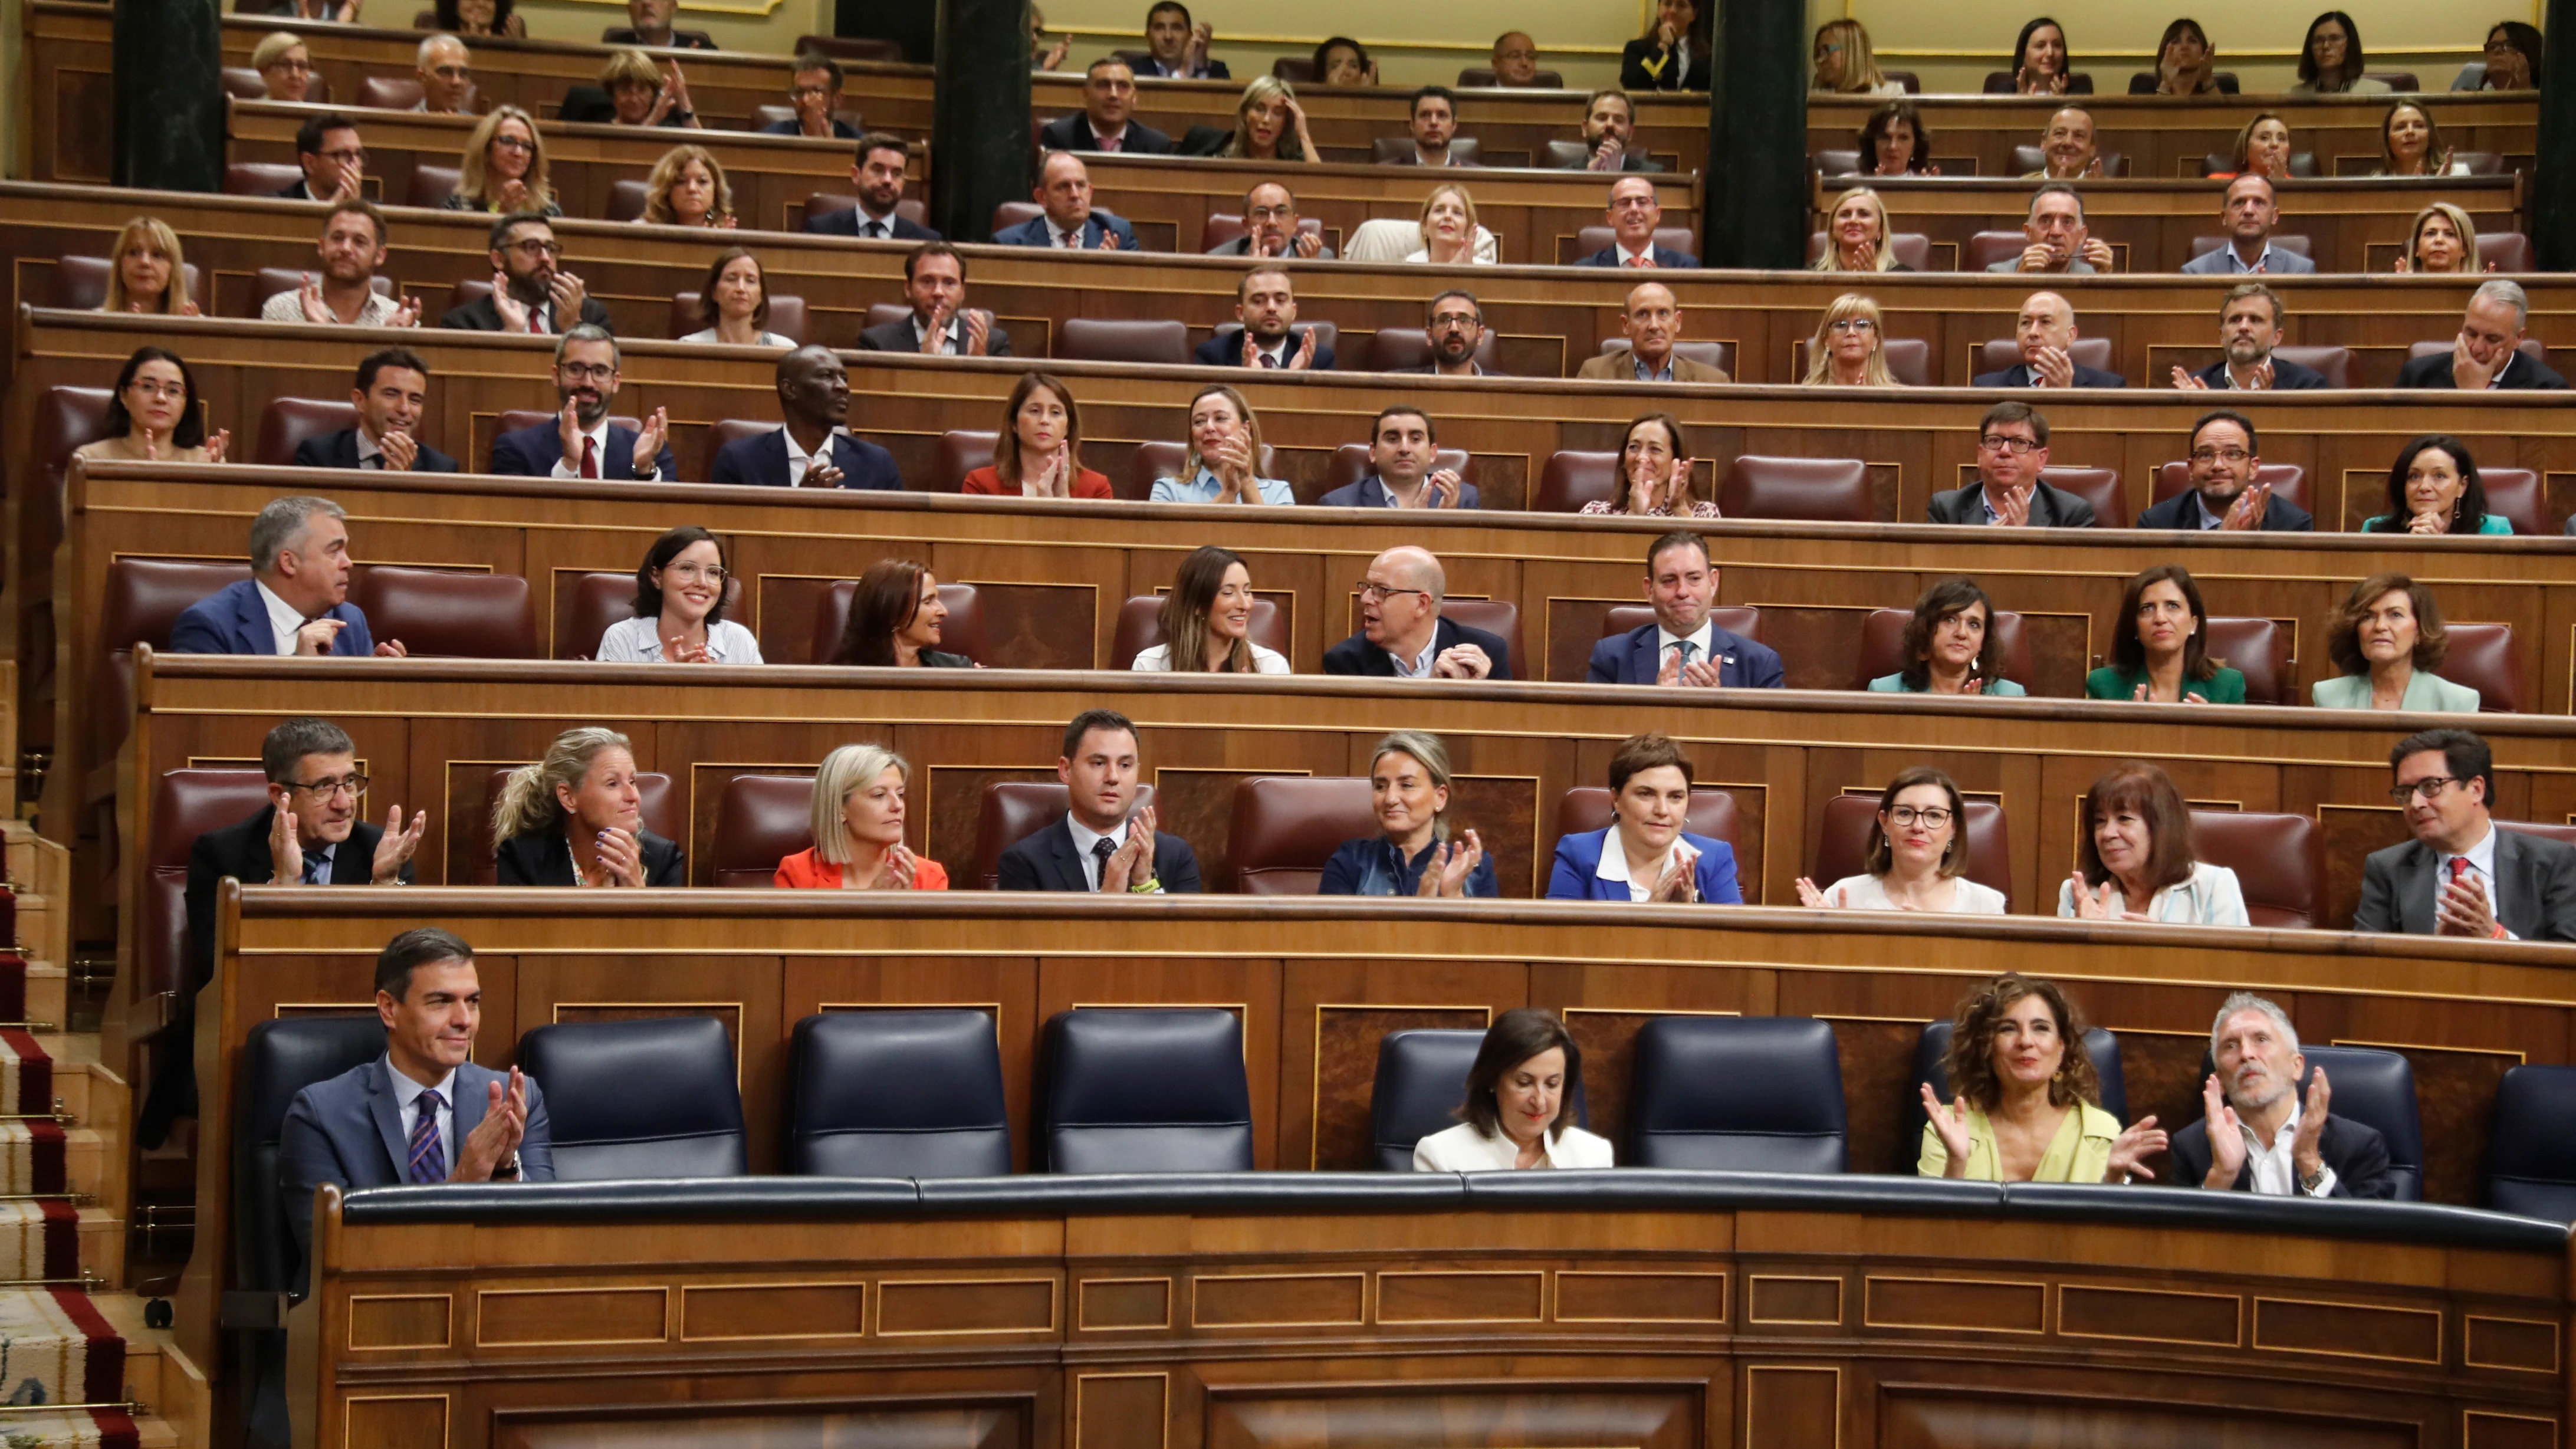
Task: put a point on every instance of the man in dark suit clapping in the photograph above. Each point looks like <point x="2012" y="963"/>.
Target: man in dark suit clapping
<point x="941" y="324"/>
<point x="391" y="395"/>
<point x="2258" y="1133"/>
<point x="1403" y="636"/>
<point x="878" y="172"/>
<point x="581" y="442"/>
<point x="1103" y="842"/>
<point x="814" y="397"/>
<point x="1107" y="120"/>
<point x="1683" y="646"/>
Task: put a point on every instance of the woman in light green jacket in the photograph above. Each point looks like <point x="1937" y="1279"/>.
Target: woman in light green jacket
<point x="2023" y="1105"/>
<point x="2387" y="639"/>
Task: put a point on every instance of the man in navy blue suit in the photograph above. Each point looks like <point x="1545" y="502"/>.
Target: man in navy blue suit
<point x="2046" y="332"/>
<point x="296" y="598"/>
<point x="1107" y="120"/>
<point x="1070" y="221"/>
<point x="391" y="395"/>
<point x="814" y="397"/>
<point x="581" y="442"/>
<point x="1104" y="842"/>
<point x="1177" y="47"/>
<point x="878" y="173"/>
<point x="1265" y="302"/>
<point x="423" y="1112"/>
<point x="1403" y="447"/>
<point x="1634" y="213"/>
<point x="1683" y="646"/>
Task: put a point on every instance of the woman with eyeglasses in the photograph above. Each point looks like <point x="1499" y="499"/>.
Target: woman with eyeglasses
<point x="1918" y="855"/>
<point x="503" y="169"/>
<point x="1850" y="347"/>
<point x="1845" y="64"/>
<point x="284" y="66"/>
<point x="2161" y="649"/>
<point x="2331" y="62"/>
<point x="2137" y="860"/>
<point x="679" y="608"/>
<point x="2387" y="640"/>
<point x="153" y="416"/>
<point x="2514" y="48"/>
<point x="1948" y="646"/>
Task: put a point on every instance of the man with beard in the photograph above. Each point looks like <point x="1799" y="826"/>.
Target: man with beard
<point x="391" y="396"/>
<point x="530" y="290"/>
<point x="333" y="158"/>
<point x="941" y="324"/>
<point x="814" y="398"/>
<point x="1609" y="129"/>
<point x="1455" y="331"/>
<point x="2223" y="493"/>
<point x="2257" y="1135"/>
<point x="1266" y="303"/>
<point x="1107" y="120"/>
<point x="879" y="174"/>
<point x="1404" y="450"/>
<point x="1433" y="127"/>
<point x="1271" y="228"/>
<point x="351" y="248"/>
<point x="581" y="442"/>
<point x="2249" y="327"/>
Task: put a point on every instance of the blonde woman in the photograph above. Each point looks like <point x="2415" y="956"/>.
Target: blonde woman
<point x="504" y="167"/>
<point x="1223" y="463"/>
<point x="1857" y="237"/>
<point x="285" y="65"/>
<point x="1850" y="346"/>
<point x="2442" y="241"/>
<point x="1414" y="852"/>
<point x="644" y="95"/>
<point x="1450" y="234"/>
<point x="576" y="818"/>
<point x="1845" y="64"/>
<point x="858" y="829"/>
<point x="148" y="272"/>
<point x="2263" y="148"/>
<point x="688" y="188"/>
<point x="1269" y="125"/>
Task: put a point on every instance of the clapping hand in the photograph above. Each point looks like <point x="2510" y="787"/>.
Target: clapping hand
<point x="621" y="858"/>
<point x="979" y="331"/>
<point x="495" y="1139"/>
<point x="1609" y="155"/>
<point x="2226" y="1138"/>
<point x="1132" y="864"/>
<point x="1304" y="357"/>
<point x="934" y="331"/>
<point x="568" y="432"/>
<point x="405" y="315"/>
<point x="2012" y="506"/>
<point x="648" y="443"/>
<point x="2305" y="1158"/>
<point x="285" y="847"/>
<point x="308" y="299"/>
<point x="1461" y="661"/>
<point x="1233" y="468"/>
<point x="2106" y="904"/>
<point x="391" y="649"/>
<point x="513" y="195"/>
<point x="218" y="445"/>
<point x="1055" y="474"/>
<point x="1445" y="489"/>
<point x="1950" y="1124"/>
<point x="1194" y="60"/>
<point x="2462" y="910"/>
<point x="569" y="294"/>
<point x="394" y="849"/>
<point x="896" y="869"/>
<point x="1445" y="874"/>
<point x="1814" y="899"/>
<point x="397" y="452"/>
<point x="512" y="312"/>
<point x="2248" y="509"/>
<point x="2138" y="1142"/>
<point x="2053" y="367"/>
<point x="1680" y="880"/>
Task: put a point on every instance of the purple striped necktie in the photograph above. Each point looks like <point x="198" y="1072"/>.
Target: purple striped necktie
<point x="428" y="1162"/>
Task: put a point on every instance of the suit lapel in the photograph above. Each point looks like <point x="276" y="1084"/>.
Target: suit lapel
<point x="250" y="623"/>
<point x="773" y="457"/>
<point x="1067" y="859"/>
<point x="2416" y="886"/>
<point x="388" y="1117"/>
<point x="2515" y="878"/>
<point x="468" y="1085"/>
<point x="1645" y="657"/>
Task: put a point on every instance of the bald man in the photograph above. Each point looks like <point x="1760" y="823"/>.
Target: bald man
<point x="1403" y="636"/>
<point x="2046" y="331"/>
<point x="1653" y="322"/>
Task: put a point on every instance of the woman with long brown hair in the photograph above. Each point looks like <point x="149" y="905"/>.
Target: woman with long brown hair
<point x="895" y="619"/>
<point x="1207" y="621"/>
<point x="2137" y="861"/>
<point x="2025" y="1101"/>
<point x="1039" y="451"/>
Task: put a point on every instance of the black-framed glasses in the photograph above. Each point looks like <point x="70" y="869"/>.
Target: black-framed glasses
<point x="587" y="371"/>
<point x="325" y="788"/>
<point x="2430" y="787"/>
<point x="1380" y="593"/>
<point x="1998" y="443"/>
<point x="2219" y="455"/>
<point x="1932" y="817"/>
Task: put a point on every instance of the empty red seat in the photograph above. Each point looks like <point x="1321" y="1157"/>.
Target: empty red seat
<point x="1572" y="478"/>
<point x="760" y="821"/>
<point x="2485" y="658"/>
<point x="1285" y="828"/>
<point x="1096" y="339"/>
<point x="2259" y="649"/>
<point x="439" y="613"/>
<point x="2279" y="860"/>
<point x="1814" y="490"/>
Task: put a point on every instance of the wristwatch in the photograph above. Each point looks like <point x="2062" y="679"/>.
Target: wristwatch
<point x="2309" y="1183"/>
<point x="507" y="1171"/>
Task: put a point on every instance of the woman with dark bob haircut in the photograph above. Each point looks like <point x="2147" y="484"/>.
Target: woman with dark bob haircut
<point x="1342" y="61"/>
<point x="2041" y="65"/>
<point x="679" y="608"/>
<point x="2160" y="650"/>
<point x="2388" y="639"/>
<point x="1918" y="855"/>
<point x="2433" y="488"/>
<point x="2026" y="1105"/>
<point x="1949" y="646"/>
<point x="1894" y="142"/>
<point x="895" y="619"/>
<point x="1643" y="854"/>
<point x="153" y="416"/>
<point x="1514" y="1115"/>
<point x="2135" y="860"/>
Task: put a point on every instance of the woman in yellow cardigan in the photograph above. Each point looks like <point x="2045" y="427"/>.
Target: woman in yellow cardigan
<point x="2025" y="1094"/>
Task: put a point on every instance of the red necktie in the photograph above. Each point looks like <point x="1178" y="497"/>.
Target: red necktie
<point x="1641" y="259"/>
<point x="1072" y="241"/>
<point x="589" y="458"/>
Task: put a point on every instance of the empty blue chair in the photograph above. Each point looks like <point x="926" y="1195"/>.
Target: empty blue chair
<point x="2376" y="1087"/>
<point x="2531" y="1159"/>
<point x="1147" y="1090"/>
<point x="1743" y="1094"/>
<point x="629" y="1099"/>
<point x="1932" y="1052"/>
<point x="898" y="1094"/>
<point x="1421" y="1079"/>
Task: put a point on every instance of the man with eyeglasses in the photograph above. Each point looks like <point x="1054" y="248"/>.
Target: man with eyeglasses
<point x="296" y="600"/>
<point x="2224" y="492"/>
<point x="1107" y="120"/>
<point x="1515" y="59"/>
<point x="2249" y="328"/>
<point x="2058" y="240"/>
<point x="1609" y="137"/>
<point x="2461" y="875"/>
<point x="333" y="158"/>
<point x="530" y="290"/>
<point x="1634" y="214"/>
<point x="2012" y="452"/>
<point x="814" y="89"/>
<point x="811" y="450"/>
<point x="2045" y="331"/>
<point x="446" y="70"/>
<point x="1271" y="228"/>
<point x="1456" y="330"/>
<point x="1402" y="633"/>
<point x="580" y="441"/>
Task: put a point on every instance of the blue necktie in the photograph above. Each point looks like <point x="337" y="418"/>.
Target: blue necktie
<point x="315" y="861"/>
<point x="428" y="1162"/>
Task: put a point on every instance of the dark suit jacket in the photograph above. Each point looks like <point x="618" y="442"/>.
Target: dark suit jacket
<point x="241" y="851"/>
<point x="2520" y="374"/>
<point x="841" y="130"/>
<point x="680" y="39"/>
<point x="2018" y="375"/>
<point x="1045" y="861"/>
<point x="2143" y="83"/>
<point x="1665" y="257"/>
<point x="897" y="337"/>
<point x="1356" y="655"/>
<point x="2287" y="376"/>
<point x="2049" y="507"/>
<point x="846" y="223"/>
<point x="2355" y="1150"/>
<point x="1459" y="163"/>
<point x="544" y="858"/>
<point x="1074" y="133"/>
<point x="480" y="315"/>
<point x="1033" y="232"/>
<point x="1225" y="349"/>
<point x="532" y="452"/>
<point x="1633" y="75"/>
<point x="1242" y="247"/>
<point x="300" y="191"/>
<point x="1370" y="492"/>
<point x="340" y="450"/>
<point x="763" y="460"/>
<point x="2180" y="512"/>
<point x="232" y="620"/>
<point x="1215" y="70"/>
<point x="1629" y="160"/>
<point x="348" y="1130"/>
<point x="1633" y="658"/>
<point x="2536" y="876"/>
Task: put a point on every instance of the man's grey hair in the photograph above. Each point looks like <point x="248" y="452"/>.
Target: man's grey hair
<point x="430" y="47"/>
<point x="2244" y="1001"/>
<point x="587" y="332"/>
<point x="2057" y="188"/>
<point x="282" y="523"/>
<point x="2510" y="294"/>
<point x="287" y="745"/>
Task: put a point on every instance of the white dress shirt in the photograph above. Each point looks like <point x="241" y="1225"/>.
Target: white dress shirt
<point x="1084" y="838"/>
<point x="407" y="1104"/>
<point x="639" y="641"/>
<point x="883" y="226"/>
<point x="569" y="466"/>
<point x="1614" y="866"/>
<point x="2275" y="1174"/>
<point x="287" y="623"/>
<point x="1158" y="660"/>
<point x="800" y="462"/>
<point x="1628" y="258"/>
<point x="1419" y="666"/>
<point x="1059" y="237"/>
<point x="1464" y="1149"/>
<point x="1665" y="639"/>
<point x="2481" y="859"/>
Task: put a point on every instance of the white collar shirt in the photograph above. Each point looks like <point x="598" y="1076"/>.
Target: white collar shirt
<point x="1085" y="839"/>
<point x="1628" y="258"/>
<point x="2236" y="261"/>
<point x="1419" y="666"/>
<point x="872" y="225"/>
<point x="2481" y="858"/>
<point x="2276" y="1173"/>
<point x="798" y="460"/>
<point x="283" y="620"/>
<point x="1614" y="865"/>
<point x="570" y="466"/>
<point x="952" y="345"/>
<point x="1059" y="237"/>
<point x="407" y="1104"/>
<point x="1665" y="639"/>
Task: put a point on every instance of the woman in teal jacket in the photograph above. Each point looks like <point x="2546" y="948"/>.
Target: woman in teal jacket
<point x="2161" y="650"/>
<point x="2434" y="488"/>
<point x="1948" y="648"/>
<point x="2387" y="639"/>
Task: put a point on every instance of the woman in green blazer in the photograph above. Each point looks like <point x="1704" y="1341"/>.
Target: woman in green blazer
<point x="2161" y="651"/>
<point x="2434" y="488"/>
<point x="2387" y="638"/>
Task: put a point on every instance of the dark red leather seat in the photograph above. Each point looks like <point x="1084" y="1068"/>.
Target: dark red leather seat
<point x="437" y="613"/>
<point x="2515" y="495"/>
<point x="1571" y="479"/>
<point x="2505" y="251"/>
<point x="2002" y="353"/>
<point x="80" y="283"/>
<point x="1882" y="646"/>
<point x="1140" y="628"/>
<point x="389" y="92"/>
<point x="1012" y="213"/>
<point x="2259" y="649"/>
<point x="1909" y="360"/>
<point x="287" y="421"/>
<point x="2334" y="362"/>
<point x="1591" y="241"/>
<point x="1814" y="490"/>
<point x="2279" y="860"/>
<point x="659" y="807"/>
<point x="1222" y="227"/>
<point x="760" y="821"/>
<point x="959" y="453"/>
<point x="67" y="418"/>
<point x="2485" y="658"/>
<point x="2288" y="480"/>
<point x="627" y="199"/>
<point x="1842" y="842"/>
<point x="1100" y="339"/>
<point x="260" y="178"/>
<point x="185" y="805"/>
<point x="787" y="316"/>
<point x="430" y="186"/>
<point x="962" y="632"/>
<point x="1586" y="808"/>
<point x="1011" y="811"/>
<point x="2097" y="486"/>
<point x="1393" y="348"/>
<point x="1286" y="827"/>
<point x="144" y="599"/>
<point x="1495" y="616"/>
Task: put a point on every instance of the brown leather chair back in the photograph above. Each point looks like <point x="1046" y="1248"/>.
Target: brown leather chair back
<point x="2097" y="486"/>
<point x="1882" y="646"/>
<point x="628" y="198"/>
<point x="2514" y="494"/>
<point x="1572" y="479"/>
<point x="1586" y="808"/>
<point x="2485" y="658"/>
<point x="2479" y="163"/>
<point x="438" y="614"/>
<point x="1499" y="617"/>
<point x="244" y="84"/>
<point x="1390" y="148"/>
<point x="2259" y="649"/>
<point x="1483" y="75"/>
<point x="1391" y="348"/>
<point x="2027" y="159"/>
<point x="1829" y="164"/>
<point x="959" y="453"/>
<point x="2401" y="81"/>
<point x="963" y="632"/>
<point x="1286" y="827"/>
<point x="1913" y="248"/>
<point x="1909" y="360"/>
<point x="80" y="283"/>
<point x="1297" y="70"/>
<point x="1715" y="354"/>
<point x="2562" y="833"/>
<point x="659" y="808"/>
<point x="1010" y="812"/>
<point x="786" y="314"/>
<point x="1140" y="627"/>
<point x="260" y="178"/>
<point x="430" y="186"/>
<point x="1225" y="226"/>
<point x="2288" y="480"/>
<point x="881" y="313"/>
<point x="2202" y="246"/>
<point x="67" y="419"/>
<point x="734" y="430"/>
<point x="1103" y="339"/>
<point x="1592" y="241"/>
<point x="1804" y="489"/>
<point x="2334" y="362"/>
<point x="1740" y="620"/>
<point x="2279" y="860"/>
<point x="760" y="821"/>
<point x="1350" y="463"/>
<point x="145" y="597"/>
<point x="267" y="282"/>
<point x="389" y="92"/>
<point x="2504" y="251"/>
<point x="846" y="47"/>
<point x="185" y="805"/>
<point x="1842" y="842"/>
<point x="1164" y="460"/>
<point x="1986" y="248"/>
<point x="288" y="421"/>
<point x="2003" y="352"/>
<point x="1012" y="213"/>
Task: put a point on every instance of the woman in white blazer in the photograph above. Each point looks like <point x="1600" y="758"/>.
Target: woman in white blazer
<point x="1515" y="1107"/>
<point x="2138" y="862"/>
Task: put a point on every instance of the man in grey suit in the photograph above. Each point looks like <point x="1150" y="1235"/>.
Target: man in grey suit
<point x="2460" y="875"/>
<point x="423" y="1112"/>
<point x="2249" y="213"/>
<point x="2058" y="240"/>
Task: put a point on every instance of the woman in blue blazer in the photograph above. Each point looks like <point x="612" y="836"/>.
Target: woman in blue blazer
<point x="1644" y="854"/>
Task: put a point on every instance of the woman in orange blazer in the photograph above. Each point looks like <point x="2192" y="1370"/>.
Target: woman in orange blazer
<point x="858" y="829"/>
<point x="1039" y="453"/>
